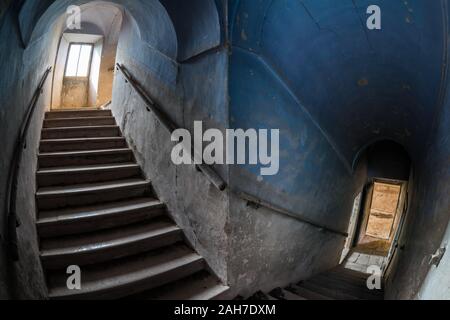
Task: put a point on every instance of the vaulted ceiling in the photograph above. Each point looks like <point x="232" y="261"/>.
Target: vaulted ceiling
<point x="358" y="85"/>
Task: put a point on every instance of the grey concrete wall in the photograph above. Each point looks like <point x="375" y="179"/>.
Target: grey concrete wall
<point x="150" y="51"/>
<point x="21" y="70"/>
<point x="202" y="220"/>
<point x="58" y="72"/>
<point x="95" y="74"/>
<point x="5" y="85"/>
<point x="428" y="221"/>
<point x="75" y="93"/>
<point x="269" y="250"/>
<point x="436" y="285"/>
<point x="106" y="75"/>
<point x="187" y="92"/>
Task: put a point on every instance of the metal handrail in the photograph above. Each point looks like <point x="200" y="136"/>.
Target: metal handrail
<point x="165" y="120"/>
<point x="20" y="145"/>
<point x="261" y="203"/>
<point x="207" y="170"/>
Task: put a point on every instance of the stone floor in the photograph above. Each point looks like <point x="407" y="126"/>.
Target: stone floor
<point x="361" y="261"/>
<point x="373" y="246"/>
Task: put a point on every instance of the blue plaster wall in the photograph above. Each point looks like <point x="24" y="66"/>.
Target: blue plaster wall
<point x="312" y="181"/>
<point x="347" y="77"/>
<point x="196" y="25"/>
<point x="29" y="15"/>
<point x="347" y="87"/>
<point x="312" y="69"/>
<point x="21" y="69"/>
<point x="428" y="224"/>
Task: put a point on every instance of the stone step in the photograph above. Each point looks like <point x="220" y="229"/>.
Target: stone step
<point x="307" y="294"/>
<point x="101" y="246"/>
<point x="80" y="132"/>
<point x="83" y="158"/>
<point x="61" y="176"/>
<point x="337" y="280"/>
<point x="341" y="271"/>
<point x="98" y="217"/>
<point x="328" y="292"/>
<point x="79" y="122"/>
<point x="357" y="290"/>
<point x="77" y="114"/>
<point x="200" y="286"/>
<point x="348" y="278"/>
<point x="97" y="212"/>
<point x="282" y="294"/>
<point x="86" y="194"/>
<point x="128" y="276"/>
<point x="80" y="144"/>
<point x="342" y="279"/>
<point x="261" y="296"/>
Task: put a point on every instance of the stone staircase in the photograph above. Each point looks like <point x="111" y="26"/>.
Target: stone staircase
<point x="337" y="284"/>
<point x="97" y="211"/>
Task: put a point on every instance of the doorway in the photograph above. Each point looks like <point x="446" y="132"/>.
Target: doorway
<point x="383" y="217"/>
<point x="380" y="208"/>
<point x="380" y="214"/>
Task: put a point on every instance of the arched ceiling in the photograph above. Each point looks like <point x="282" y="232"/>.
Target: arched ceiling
<point x="152" y="20"/>
<point x="197" y="25"/>
<point x="103" y="17"/>
<point x="358" y="85"/>
<point x="177" y="28"/>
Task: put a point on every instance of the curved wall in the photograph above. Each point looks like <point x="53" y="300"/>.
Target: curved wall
<point x="346" y="76"/>
<point x="197" y="25"/>
<point x="313" y="69"/>
<point x="148" y="46"/>
<point x="309" y="68"/>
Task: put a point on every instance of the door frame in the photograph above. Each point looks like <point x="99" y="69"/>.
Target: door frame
<point x="399" y="219"/>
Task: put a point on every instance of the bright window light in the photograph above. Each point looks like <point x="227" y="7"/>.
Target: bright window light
<point x="79" y="60"/>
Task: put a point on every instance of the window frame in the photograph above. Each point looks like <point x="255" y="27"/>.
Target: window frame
<point x="89" y="63"/>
